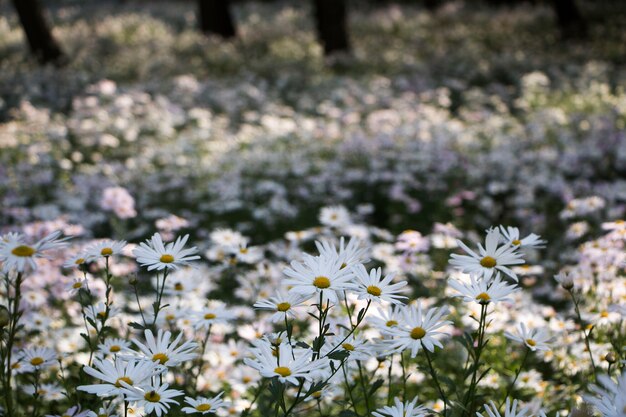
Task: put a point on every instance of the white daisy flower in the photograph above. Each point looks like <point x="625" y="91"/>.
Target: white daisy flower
<point x="317" y="274"/>
<point x="76" y="284"/>
<point x="16" y="254"/>
<point x="113" y="372"/>
<point x="511" y="235"/>
<point x="372" y="287"/>
<point x="78" y="261"/>
<point x="510" y="410"/>
<point x="166" y="353"/>
<point x="417" y="329"/>
<point x="400" y="409"/>
<point x="490" y="259"/>
<point x="153" y="254"/>
<point x="104" y="249"/>
<point x="279" y="362"/>
<point x="216" y="312"/>
<point x="386" y="319"/>
<point x="203" y="405"/>
<point x="113" y="346"/>
<point x="73" y="412"/>
<point x="483" y="291"/>
<point x="153" y="398"/>
<point x="334" y="216"/>
<point x="534" y="339"/>
<point x="356" y="346"/>
<point x="39" y="357"/>
<point x="351" y="254"/>
<point x="609" y="397"/>
<point x="282" y="305"/>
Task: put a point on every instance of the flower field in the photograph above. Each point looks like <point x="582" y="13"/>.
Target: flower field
<point x="433" y="225"/>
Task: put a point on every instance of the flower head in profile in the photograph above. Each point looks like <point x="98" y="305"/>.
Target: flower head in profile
<point x="103" y="249"/>
<point x="483" y="291"/>
<point x="154" y="254"/>
<point x="533" y="339"/>
<point x="153" y="397"/>
<point x="351" y="254"/>
<point x="282" y="305"/>
<point x="285" y="362"/>
<point x="203" y="405"/>
<point x="371" y="286"/>
<point x="112" y="373"/>
<point x="18" y="255"/>
<point x="166" y="353"/>
<point x="489" y="259"/>
<point x="609" y="397"/>
<point x="418" y="329"/>
<point x="402" y="409"/>
<point x="511" y="235"/>
<point x="510" y="410"/>
<point x="74" y="411"/>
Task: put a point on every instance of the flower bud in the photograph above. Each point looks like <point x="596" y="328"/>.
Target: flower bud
<point x="610" y="357"/>
<point x="4" y="317"/>
<point x="133" y="280"/>
<point x="565" y="279"/>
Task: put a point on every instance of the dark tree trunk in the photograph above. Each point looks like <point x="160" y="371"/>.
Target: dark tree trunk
<point x="40" y="40"/>
<point x="330" y="21"/>
<point x="214" y="17"/>
<point x="570" y="19"/>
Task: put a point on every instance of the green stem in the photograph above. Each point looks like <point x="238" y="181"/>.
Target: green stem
<point x="512" y="385"/>
<point x="433" y="373"/>
<point x="582" y="329"/>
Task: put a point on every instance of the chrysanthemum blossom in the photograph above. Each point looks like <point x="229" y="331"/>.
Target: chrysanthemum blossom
<point x="417" y="329"/>
<point x="490" y="258"/>
<point x="483" y="291"/>
<point x="371" y="286"/>
<point x="402" y="409"/>
<point x="153" y="398"/>
<point x="113" y="372"/>
<point x="18" y="255"/>
<point x="317" y="274"/>
<point x="533" y="339"/>
<point x="155" y="255"/>
<point x="166" y="353"/>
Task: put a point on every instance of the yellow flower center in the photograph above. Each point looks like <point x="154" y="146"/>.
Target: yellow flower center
<point x="516" y="242"/>
<point x="488" y="262"/>
<point x="374" y="290"/>
<point x="123" y="379"/>
<point x="79" y="261"/>
<point x="391" y="323"/>
<point x="483" y="297"/>
<point x="115" y="349"/>
<point x="209" y="316"/>
<point x="321" y="282"/>
<point x="243" y="251"/>
<point x="316" y="394"/>
<point x="170" y="317"/>
<point x="348" y="347"/>
<point x="77" y="285"/>
<point x="604" y="314"/>
<point x="16" y="365"/>
<point x="283" y="307"/>
<point x="203" y="407"/>
<point x="283" y="371"/>
<point x="23" y="251"/>
<point x="152" y="396"/>
<point x="178" y="286"/>
<point x="166" y="259"/>
<point x="36" y="361"/>
<point x="106" y="252"/>
<point x="101" y="315"/>
<point x="531" y="342"/>
<point x="161" y="358"/>
<point x="418" y="333"/>
<point x="246" y="379"/>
